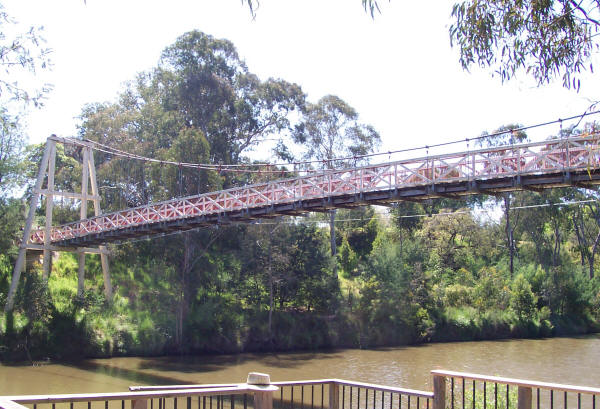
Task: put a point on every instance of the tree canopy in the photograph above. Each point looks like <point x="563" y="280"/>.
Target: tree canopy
<point x="407" y="276"/>
<point x="545" y="40"/>
<point x="21" y="52"/>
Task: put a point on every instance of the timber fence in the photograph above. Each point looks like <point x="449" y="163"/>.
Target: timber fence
<point x="451" y="390"/>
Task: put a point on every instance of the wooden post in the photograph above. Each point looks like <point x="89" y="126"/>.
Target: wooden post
<point x="85" y="170"/>
<point x="19" y="264"/>
<point x="263" y="400"/>
<point x="439" y="392"/>
<point x="524" y="398"/>
<point x="334" y="395"/>
<point x="88" y="181"/>
<point x="49" y="207"/>
<point x="263" y="390"/>
<point x="97" y="212"/>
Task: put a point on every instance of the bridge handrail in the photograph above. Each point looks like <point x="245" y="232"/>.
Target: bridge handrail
<point x="328" y="172"/>
<point x="590" y="141"/>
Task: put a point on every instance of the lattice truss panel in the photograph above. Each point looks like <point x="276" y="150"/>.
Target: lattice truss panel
<point x="508" y="161"/>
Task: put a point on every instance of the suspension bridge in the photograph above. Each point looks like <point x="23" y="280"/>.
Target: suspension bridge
<point x="572" y="161"/>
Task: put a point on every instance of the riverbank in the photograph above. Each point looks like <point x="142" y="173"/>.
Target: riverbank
<point x="69" y="338"/>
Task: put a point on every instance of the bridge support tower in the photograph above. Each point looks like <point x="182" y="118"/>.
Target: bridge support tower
<point x="88" y="182"/>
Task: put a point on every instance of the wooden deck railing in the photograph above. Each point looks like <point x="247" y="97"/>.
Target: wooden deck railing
<point x="455" y="390"/>
<point x="451" y="390"/>
<point x="332" y="393"/>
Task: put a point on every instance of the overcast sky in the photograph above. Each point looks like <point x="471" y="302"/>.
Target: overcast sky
<point x="397" y="70"/>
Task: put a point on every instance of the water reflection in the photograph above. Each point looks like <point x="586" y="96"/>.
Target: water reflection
<point x="563" y="360"/>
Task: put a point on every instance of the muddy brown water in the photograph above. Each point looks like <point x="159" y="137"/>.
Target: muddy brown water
<point x="562" y="360"/>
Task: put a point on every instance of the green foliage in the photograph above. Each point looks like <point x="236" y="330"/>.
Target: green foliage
<point x="457" y="295"/>
<point x="330" y="129"/>
<point x="347" y="259"/>
<point x="491" y="290"/>
<point x="273" y="285"/>
<point x="21" y="53"/>
<point x="496" y="395"/>
<point x="545" y="39"/>
<point x="522" y="300"/>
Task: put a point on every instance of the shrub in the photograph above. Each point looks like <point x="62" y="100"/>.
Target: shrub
<point x="457" y="295"/>
<point x="522" y="300"/>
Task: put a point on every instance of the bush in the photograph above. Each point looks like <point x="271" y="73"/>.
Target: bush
<point x="522" y="300"/>
<point x="457" y="295"/>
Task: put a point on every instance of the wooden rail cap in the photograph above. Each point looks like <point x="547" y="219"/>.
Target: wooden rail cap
<point x="9" y="404"/>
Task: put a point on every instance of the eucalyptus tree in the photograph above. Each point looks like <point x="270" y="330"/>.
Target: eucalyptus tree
<point x="505" y="136"/>
<point x="12" y="141"/>
<point x="22" y="55"/>
<point x="210" y="87"/>
<point x="541" y="39"/>
<point x="331" y="135"/>
<point x="21" y="52"/>
<point x="586" y="225"/>
<point x="199" y="105"/>
<point x="545" y="40"/>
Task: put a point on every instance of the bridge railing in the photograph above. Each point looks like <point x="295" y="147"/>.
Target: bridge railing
<point x="560" y="155"/>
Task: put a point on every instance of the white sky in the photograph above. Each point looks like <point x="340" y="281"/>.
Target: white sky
<point x="398" y="70"/>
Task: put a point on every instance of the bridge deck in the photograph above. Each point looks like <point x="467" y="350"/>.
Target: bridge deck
<point x="534" y="166"/>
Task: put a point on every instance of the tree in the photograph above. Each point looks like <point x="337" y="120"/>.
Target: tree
<point x="395" y="297"/>
<point x="453" y="239"/>
<point x="200" y="105"/>
<point x="21" y="52"/>
<point x="545" y="39"/>
<point x="11" y="152"/>
<point x="331" y="134"/>
<point x="208" y="84"/>
<point x="506" y="135"/>
<point x="522" y="300"/>
<point x="586" y="225"/>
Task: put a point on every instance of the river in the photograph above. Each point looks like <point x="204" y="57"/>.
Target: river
<point x="561" y="360"/>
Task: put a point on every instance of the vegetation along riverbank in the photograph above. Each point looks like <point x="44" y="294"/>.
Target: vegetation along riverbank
<point x="441" y="270"/>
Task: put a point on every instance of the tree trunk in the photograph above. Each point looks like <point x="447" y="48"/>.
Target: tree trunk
<point x="509" y="233"/>
<point x="583" y="244"/>
<point x="593" y="254"/>
<point x="512" y="253"/>
<point x="332" y="236"/>
<point x="270" y="286"/>
<point x="184" y="294"/>
<point x="556" y="254"/>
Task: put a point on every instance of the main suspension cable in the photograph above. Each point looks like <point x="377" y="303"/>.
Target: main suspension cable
<point x="244" y="168"/>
